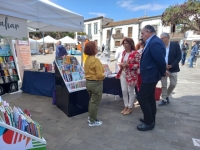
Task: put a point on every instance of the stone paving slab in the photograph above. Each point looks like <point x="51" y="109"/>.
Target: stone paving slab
<point x="176" y="124"/>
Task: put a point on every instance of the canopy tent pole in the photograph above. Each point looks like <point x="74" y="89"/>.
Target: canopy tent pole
<point x="43" y="44"/>
<point x="82" y="45"/>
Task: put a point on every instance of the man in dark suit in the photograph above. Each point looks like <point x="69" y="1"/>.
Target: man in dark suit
<point x="152" y="68"/>
<point x="172" y="59"/>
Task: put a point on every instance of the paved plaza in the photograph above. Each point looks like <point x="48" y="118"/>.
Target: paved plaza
<point x="176" y="123"/>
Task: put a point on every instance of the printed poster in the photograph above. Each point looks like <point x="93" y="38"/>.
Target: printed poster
<point x="5" y="50"/>
<point x="24" y="56"/>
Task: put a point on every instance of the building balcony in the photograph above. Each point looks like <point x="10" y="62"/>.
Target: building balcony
<point x="176" y="35"/>
<point x="118" y="36"/>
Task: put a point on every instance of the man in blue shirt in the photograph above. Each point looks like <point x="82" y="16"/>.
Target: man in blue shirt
<point x="60" y="50"/>
<point x="193" y="53"/>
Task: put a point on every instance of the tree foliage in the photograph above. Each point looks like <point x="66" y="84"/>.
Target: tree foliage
<point x="186" y="15"/>
<point x="55" y="35"/>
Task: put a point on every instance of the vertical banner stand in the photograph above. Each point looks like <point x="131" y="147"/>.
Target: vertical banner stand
<point x="82" y="39"/>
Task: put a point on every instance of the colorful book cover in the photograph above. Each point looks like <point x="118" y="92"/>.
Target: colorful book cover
<point x="11" y="58"/>
<point x="6" y="72"/>
<point x="83" y="84"/>
<point x="73" y="61"/>
<point x="69" y="77"/>
<point x="72" y="85"/>
<point x="1" y="80"/>
<point x="77" y="68"/>
<point x="75" y="76"/>
<point x="82" y="75"/>
<point x="1" y="59"/>
<point x="12" y="65"/>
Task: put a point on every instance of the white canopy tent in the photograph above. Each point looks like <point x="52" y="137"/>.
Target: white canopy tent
<point x="34" y="46"/>
<point x="47" y="39"/>
<point x="43" y="15"/>
<point x="68" y="40"/>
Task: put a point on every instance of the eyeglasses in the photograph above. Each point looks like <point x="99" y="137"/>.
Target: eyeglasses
<point x="163" y="38"/>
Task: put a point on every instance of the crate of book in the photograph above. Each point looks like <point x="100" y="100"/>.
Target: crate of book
<point x="72" y="73"/>
<point x="8" y="71"/>
<point x="18" y="130"/>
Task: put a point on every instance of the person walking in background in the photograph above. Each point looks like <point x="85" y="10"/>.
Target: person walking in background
<point x="103" y="47"/>
<point x="60" y="50"/>
<point x="128" y="73"/>
<point x="94" y="75"/>
<point x="172" y="59"/>
<point x="193" y="53"/>
<point x="152" y="68"/>
<point x="184" y="48"/>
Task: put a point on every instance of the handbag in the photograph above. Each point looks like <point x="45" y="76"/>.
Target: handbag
<point x="158" y="92"/>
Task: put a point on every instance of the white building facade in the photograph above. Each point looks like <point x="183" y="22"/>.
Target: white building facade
<point x="99" y="30"/>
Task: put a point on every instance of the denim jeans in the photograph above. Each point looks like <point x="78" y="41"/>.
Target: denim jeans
<point x="183" y="58"/>
<point x="191" y="59"/>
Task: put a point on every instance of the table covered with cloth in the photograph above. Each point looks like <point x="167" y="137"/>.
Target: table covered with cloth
<point x="38" y="83"/>
<point x="111" y="85"/>
<point x="43" y="84"/>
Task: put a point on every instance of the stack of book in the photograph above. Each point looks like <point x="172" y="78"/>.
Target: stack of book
<point x="19" y="119"/>
<point x="8" y="71"/>
<point x="72" y="73"/>
<point x="71" y="69"/>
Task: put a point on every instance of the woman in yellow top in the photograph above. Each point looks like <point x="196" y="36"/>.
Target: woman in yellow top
<point x="94" y="74"/>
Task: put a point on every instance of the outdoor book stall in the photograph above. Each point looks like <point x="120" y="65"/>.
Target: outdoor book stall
<point x="71" y="94"/>
<point x="17" y="129"/>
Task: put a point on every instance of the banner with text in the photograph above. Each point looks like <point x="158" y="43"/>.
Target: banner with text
<point x="23" y="56"/>
<point x="13" y="28"/>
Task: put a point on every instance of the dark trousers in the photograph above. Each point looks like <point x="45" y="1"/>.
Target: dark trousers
<point x="136" y="92"/>
<point x="146" y="98"/>
<point x="183" y="58"/>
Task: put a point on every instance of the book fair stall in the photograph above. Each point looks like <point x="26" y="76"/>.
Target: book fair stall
<point x="17" y="129"/>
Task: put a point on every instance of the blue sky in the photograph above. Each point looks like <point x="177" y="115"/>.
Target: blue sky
<point x="117" y="9"/>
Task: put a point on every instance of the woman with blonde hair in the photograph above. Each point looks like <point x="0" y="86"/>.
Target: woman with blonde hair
<point x="94" y="74"/>
<point x="128" y="73"/>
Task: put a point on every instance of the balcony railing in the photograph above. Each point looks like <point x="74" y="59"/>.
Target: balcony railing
<point x="118" y="36"/>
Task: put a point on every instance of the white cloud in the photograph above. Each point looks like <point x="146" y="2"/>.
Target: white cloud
<point x="135" y="7"/>
<point x="97" y="14"/>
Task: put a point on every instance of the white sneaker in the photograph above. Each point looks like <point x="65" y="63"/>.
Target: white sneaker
<point x="95" y="123"/>
<point x="88" y="120"/>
